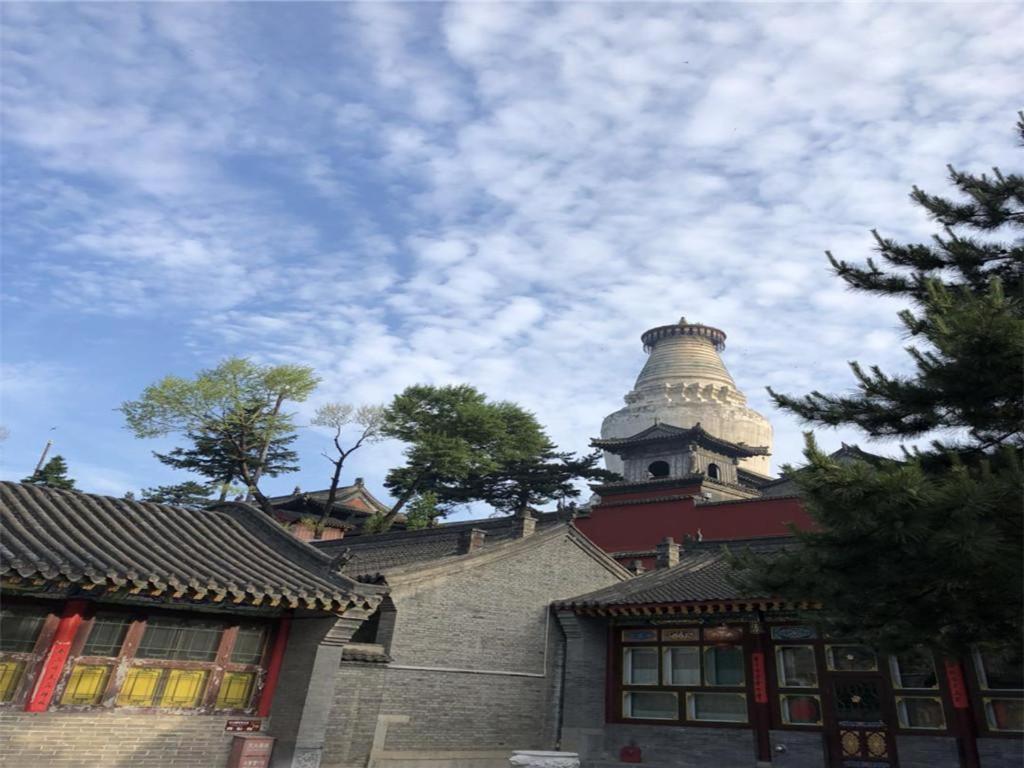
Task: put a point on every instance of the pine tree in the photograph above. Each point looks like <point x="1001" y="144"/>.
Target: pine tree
<point x="53" y="474"/>
<point x="187" y="494"/>
<point x="927" y="550"/>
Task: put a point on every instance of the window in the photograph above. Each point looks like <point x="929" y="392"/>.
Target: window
<point x="913" y="670"/>
<point x="658" y="469"/>
<point x="796" y="666"/>
<point x="107" y="635"/>
<point x="682" y="665"/>
<point x="850" y="658"/>
<point x="717" y="707"/>
<point x="714" y="472"/>
<point x="916" y="671"/>
<point x="20" y="627"/>
<point x="920" y="712"/>
<point x="999" y="670"/>
<point x="650" y="705"/>
<point x="683" y="674"/>
<point x="180" y="641"/>
<point x="800" y="709"/>
<point x="640" y="666"/>
<point x="249" y="644"/>
<point x="723" y="665"/>
<point x="1001" y="676"/>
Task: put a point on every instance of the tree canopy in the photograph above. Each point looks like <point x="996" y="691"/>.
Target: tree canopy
<point x="927" y="550"/>
<point x="187" y="494"/>
<point x="461" y="447"/>
<point x="53" y="474"/>
<point x="232" y="415"/>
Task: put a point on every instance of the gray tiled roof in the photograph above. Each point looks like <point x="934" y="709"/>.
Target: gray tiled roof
<point x="377" y="554"/>
<point x="231" y="553"/>
<point x="702" y="575"/>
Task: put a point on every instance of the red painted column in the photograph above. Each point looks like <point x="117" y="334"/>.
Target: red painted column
<point x="56" y="656"/>
<point x="274" y="666"/>
<point x="762" y="720"/>
<point x="966" y="736"/>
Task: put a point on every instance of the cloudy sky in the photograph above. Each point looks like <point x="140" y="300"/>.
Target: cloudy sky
<point x="501" y="194"/>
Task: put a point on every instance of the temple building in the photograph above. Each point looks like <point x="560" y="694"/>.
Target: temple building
<point x="148" y="635"/>
<point x="695" y="460"/>
<point x="677" y="668"/>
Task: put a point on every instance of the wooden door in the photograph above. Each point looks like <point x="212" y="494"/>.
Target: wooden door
<point x="860" y="735"/>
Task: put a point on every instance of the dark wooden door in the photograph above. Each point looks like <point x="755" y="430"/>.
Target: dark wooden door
<point x="861" y="737"/>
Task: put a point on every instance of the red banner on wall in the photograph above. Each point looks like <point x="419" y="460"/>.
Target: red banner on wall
<point x="957" y="689"/>
<point x="760" y="682"/>
<point x="53" y="665"/>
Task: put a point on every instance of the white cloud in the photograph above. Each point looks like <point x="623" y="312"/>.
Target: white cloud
<point x="505" y="194"/>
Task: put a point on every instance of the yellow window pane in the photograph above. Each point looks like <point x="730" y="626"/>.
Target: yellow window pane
<point x="86" y="685"/>
<point x="235" y="690"/>
<point x="184" y="688"/>
<point x="139" y="687"/>
<point x="10" y="676"/>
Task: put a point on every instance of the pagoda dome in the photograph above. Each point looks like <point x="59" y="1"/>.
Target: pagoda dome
<point x="684" y="383"/>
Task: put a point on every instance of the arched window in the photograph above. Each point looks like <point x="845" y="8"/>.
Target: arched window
<point x="713" y="472"/>
<point x="658" y="469"/>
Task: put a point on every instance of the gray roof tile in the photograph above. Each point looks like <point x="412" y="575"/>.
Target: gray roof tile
<point x="232" y="552"/>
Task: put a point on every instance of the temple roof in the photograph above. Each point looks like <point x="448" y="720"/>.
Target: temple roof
<point x="668" y="432"/>
<point x="702" y="575"/>
<point x="370" y="555"/>
<point x="684" y="353"/>
<point x="232" y="553"/>
<point x="355" y="500"/>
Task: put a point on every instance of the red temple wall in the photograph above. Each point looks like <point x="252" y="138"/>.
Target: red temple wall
<point x="632" y="527"/>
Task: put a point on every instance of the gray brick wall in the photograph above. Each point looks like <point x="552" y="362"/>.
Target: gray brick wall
<point x="681" y="747"/>
<point x="798" y="749"/>
<point x="927" y="752"/>
<point x="491" y="648"/>
<point x="112" y="740"/>
<point x="1001" y="753"/>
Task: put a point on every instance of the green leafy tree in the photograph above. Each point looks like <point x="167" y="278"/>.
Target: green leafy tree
<point x="453" y="433"/>
<point x="53" y="474"/>
<point x="234" y="414"/>
<point x="368" y="421"/>
<point x="534" y="480"/>
<point x="422" y="512"/>
<point x="927" y="550"/>
<point x="187" y="494"/>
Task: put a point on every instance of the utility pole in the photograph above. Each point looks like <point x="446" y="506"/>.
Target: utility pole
<point x="42" y="458"/>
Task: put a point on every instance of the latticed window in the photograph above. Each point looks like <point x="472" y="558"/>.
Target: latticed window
<point x="915" y="684"/>
<point x="689" y="674"/>
<point x="172" y="666"/>
<point x="20" y="629"/>
<point x="1000" y="675"/>
<point x="796" y="675"/>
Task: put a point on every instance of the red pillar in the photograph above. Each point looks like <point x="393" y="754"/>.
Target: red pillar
<point x="274" y="666"/>
<point x="56" y="656"/>
<point x="759" y="683"/>
<point x="966" y="736"/>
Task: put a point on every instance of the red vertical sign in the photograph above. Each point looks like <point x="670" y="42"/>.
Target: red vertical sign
<point x="957" y="689"/>
<point x="760" y="682"/>
<point x="53" y="665"/>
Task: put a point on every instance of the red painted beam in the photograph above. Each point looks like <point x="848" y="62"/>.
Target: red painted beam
<point x="274" y="666"/>
<point x="56" y="656"/>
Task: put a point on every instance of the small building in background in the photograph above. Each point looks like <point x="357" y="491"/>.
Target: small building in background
<point x="144" y="635"/>
<point x="302" y="512"/>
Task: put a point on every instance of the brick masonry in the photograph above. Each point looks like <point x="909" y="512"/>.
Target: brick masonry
<point x="475" y="652"/>
<point x="112" y="740"/>
<point x="1001" y="753"/>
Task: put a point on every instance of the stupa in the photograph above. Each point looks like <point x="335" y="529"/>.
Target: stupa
<point x="685" y="383"/>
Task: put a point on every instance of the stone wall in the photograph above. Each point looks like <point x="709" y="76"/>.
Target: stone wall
<point x="112" y="740"/>
<point x="1001" y="753"/>
<point x="927" y="751"/>
<point x="475" y="653"/>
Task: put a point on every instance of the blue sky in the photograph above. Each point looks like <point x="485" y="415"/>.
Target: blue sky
<point x="502" y="194"/>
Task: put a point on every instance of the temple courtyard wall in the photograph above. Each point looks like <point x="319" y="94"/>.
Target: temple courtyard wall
<point x="477" y="661"/>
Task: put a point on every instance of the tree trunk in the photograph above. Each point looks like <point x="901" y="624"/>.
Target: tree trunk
<point x="331" y="495"/>
<point x="266" y="443"/>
